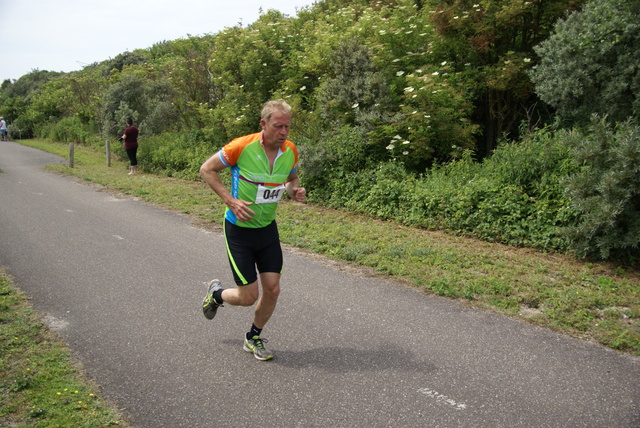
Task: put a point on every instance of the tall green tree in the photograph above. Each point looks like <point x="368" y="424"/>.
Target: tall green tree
<point x="354" y="92"/>
<point x="17" y="96"/>
<point x="123" y="98"/>
<point x="189" y="74"/>
<point x="497" y="38"/>
<point x="591" y="63"/>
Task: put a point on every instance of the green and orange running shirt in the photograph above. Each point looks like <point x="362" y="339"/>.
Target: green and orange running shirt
<point x="253" y="180"/>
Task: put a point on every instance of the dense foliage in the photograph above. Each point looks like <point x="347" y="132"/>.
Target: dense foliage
<point x="590" y="64"/>
<point x="515" y="196"/>
<point x="606" y="190"/>
<point x="425" y="112"/>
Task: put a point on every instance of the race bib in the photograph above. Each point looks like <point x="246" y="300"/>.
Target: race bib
<point x="269" y="196"/>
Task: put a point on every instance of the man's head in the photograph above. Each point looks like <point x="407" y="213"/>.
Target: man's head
<point x="275" y="122"/>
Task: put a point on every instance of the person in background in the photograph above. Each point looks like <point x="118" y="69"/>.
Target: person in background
<point x="3" y="129"/>
<point x="263" y="167"/>
<point x="130" y="138"/>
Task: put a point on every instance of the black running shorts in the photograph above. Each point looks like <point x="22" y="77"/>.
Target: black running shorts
<point x="249" y="248"/>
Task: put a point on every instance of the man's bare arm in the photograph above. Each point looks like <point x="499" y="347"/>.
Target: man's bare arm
<point x="209" y="172"/>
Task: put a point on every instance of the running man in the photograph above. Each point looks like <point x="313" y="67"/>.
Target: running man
<point x="263" y="166"/>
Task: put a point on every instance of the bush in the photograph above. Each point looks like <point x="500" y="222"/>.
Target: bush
<point x="387" y="192"/>
<point x="175" y="154"/>
<point x="71" y="129"/>
<point x="21" y="128"/>
<point x="332" y="165"/>
<point x="606" y="191"/>
<point x="162" y="118"/>
<point x="514" y="197"/>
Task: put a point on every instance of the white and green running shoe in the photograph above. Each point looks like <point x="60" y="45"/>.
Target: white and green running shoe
<point x="256" y="345"/>
<point x="209" y="304"/>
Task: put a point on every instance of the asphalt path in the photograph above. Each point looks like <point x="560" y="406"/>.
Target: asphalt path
<point x="122" y="282"/>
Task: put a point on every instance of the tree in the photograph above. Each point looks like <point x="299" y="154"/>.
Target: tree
<point x="189" y="71"/>
<point x="606" y="190"/>
<point x="497" y="38"/>
<point x="118" y="63"/>
<point x="434" y="125"/>
<point x="591" y="64"/>
<point x="355" y="92"/>
<point x="16" y="97"/>
<point x="122" y="99"/>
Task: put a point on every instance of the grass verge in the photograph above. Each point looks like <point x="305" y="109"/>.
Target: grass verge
<point x="593" y="301"/>
<point x="41" y="385"/>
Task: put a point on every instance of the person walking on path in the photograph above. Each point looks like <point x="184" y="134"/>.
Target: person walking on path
<point x="3" y="129"/>
<point x="130" y="137"/>
<point x="263" y="166"/>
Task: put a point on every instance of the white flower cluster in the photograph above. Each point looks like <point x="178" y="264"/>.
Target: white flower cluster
<point x="397" y="140"/>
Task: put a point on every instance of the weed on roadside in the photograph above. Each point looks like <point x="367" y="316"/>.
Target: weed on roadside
<point x="40" y="384"/>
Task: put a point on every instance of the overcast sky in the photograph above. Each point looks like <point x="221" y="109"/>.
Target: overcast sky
<point x="66" y="35"/>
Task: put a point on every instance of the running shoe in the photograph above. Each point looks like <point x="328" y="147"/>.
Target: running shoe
<point x="256" y="345"/>
<point x="209" y="304"/>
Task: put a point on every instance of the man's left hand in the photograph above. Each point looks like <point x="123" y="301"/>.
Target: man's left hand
<point x="298" y="194"/>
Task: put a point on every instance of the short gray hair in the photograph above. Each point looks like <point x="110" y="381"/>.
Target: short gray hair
<point x="272" y="106"/>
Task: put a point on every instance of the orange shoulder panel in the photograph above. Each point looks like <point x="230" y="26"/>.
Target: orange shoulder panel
<point x="293" y="147"/>
<point x="231" y="151"/>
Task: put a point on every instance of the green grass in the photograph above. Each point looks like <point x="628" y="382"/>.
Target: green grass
<point x="41" y="385"/>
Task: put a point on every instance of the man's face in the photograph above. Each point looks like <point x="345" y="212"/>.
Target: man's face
<point x="276" y="129"/>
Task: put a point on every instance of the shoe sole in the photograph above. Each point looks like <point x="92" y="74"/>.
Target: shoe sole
<point x="209" y="313"/>
<point x="207" y="309"/>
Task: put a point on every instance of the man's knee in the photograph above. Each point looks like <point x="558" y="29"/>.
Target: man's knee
<point x="270" y="285"/>
<point x="248" y="294"/>
<point x="272" y="292"/>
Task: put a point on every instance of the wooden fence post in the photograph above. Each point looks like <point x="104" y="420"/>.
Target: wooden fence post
<point x="71" y="149"/>
<point x="107" y="144"/>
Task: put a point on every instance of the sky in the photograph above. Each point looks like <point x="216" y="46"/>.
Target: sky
<point x="66" y="35"/>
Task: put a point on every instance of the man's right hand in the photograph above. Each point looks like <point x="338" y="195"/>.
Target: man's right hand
<point x="241" y="209"/>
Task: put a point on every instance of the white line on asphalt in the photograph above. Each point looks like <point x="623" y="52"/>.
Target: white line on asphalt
<point x="442" y="398"/>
